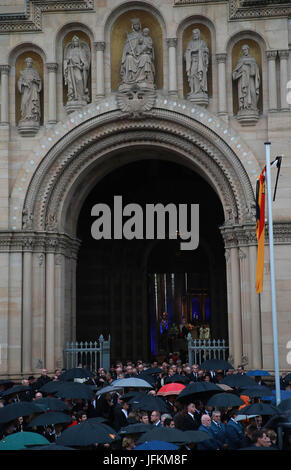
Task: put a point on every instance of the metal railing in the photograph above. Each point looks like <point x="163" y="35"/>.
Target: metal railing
<point x="89" y="354"/>
<point x="201" y="350"/>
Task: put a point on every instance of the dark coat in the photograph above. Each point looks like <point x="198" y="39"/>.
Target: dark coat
<point x="209" y="444"/>
<point x="234" y="435"/>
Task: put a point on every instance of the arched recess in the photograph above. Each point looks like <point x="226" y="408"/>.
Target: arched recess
<point x="258" y="49"/>
<point x="63" y="36"/>
<point x="16" y="61"/>
<point x="115" y="26"/>
<point x="208" y="33"/>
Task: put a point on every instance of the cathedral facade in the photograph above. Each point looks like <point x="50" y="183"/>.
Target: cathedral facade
<point x="91" y="86"/>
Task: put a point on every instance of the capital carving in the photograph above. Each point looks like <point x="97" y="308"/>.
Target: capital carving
<point x="4" y="69"/>
<point x="284" y="54"/>
<point x="51" y="66"/>
<point x="172" y="42"/>
<point x="271" y="55"/>
<point x="221" y="58"/>
<point x="99" y="45"/>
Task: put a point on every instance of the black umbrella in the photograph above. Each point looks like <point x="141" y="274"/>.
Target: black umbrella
<point x="225" y="399"/>
<point x="177" y="378"/>
<point x="87" y="433"/>
<point x="259" y="391"/>
<point x="175" y="436"/>
<point x="137" y="428"/>
<point x="76" y="373"/>
<point x="52" y="446"/>
<point x="15" y="390"/>
<point x="75" y="390"/>
<point x="51" y="403"/>
<point x="51" y="417"/>
<point x="149" y="403"/>
<point x="106" y="389"/>
<point x="150" y="378"/>
<point x="198" y="391"/>
<point x="14" y="410"/>
<point x="238" y="381"/>
<point x="260" y="409"/>
<point x="287" y="379"/>
<point x="51" y="387"/>
<point x="215" y="364"/>
<point x="285" y="405"/>
<point x="195" y="436"/>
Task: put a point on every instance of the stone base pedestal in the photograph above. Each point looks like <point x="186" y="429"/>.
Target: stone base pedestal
<point x="199" y="98"/>
<point x="28" y="128"/>
<point x="72" y="106"/>
<point x="135" y="87"/>
<point x="248" y="117"/>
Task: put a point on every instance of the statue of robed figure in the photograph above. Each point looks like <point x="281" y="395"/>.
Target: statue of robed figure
<point x="29" y="85"/>
<point x="197" y="62"/>
<point x="77" y="59"/>
<point x="247" y="75"/>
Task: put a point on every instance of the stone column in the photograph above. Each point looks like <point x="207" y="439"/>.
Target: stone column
<point x="4" y="69"/>
<point x="221" y="61"/>
<point x="38" y="310"/>
<point x="284" y="55"/>
<point x="52" y="92"/>
<point x="27" y="308"/>
<point x="100" y="88"/>
<point x="245" y="303"/>
<point x="172" y="44"/>
<point x="50" y="312"/>
<point x="236" y="305"/>
<point x="229" y="304"/>
<point x="59" y="309"/>
<point x="273" y="104"/>
<point x="4" y="320"/>
<point x="15" y="314"/>
<point x="256" y="331"/>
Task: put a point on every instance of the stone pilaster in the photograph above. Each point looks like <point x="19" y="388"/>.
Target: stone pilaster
<point x="4" y="70"/>
<point x="273" y="100"/>
<point x="100" y="85"/>
<point x="52" y="92"/>
<point x="221" y="61"/>
<point x="172" y="46"/>
<point x="283" y="55"/>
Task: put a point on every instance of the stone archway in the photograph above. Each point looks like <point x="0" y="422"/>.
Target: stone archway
<point x="70" y="161"/>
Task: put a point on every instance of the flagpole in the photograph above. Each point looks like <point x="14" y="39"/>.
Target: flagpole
<point x="272" y="271"/>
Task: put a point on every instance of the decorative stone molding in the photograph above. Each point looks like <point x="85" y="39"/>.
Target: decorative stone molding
<point x="39" y="243"/>
<point x="284" y="54"/>
<point x="248" y="9"/>
<point x="31" y="20"/>
<point x="189" y="130"/>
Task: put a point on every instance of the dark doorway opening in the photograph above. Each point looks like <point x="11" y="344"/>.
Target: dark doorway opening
<point x="124" y="286"/>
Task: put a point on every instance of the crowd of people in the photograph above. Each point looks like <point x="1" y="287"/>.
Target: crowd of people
<point x="225" y="429"/>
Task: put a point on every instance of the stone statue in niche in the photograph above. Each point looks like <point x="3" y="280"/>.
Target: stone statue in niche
<point x="137" y="63"/>
<point x="77" y="60"/>
<point x="247" y="75"/>
<point x="197" y="62"/>
<point x="29" y="85"/>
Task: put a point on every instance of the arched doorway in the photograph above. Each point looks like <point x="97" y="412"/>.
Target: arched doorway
<point x="62" y="170"/>
<point x="123" y="286"/>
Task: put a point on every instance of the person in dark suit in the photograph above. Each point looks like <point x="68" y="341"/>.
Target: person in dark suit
<point x="233" y="433"/>
<point x="218" y="429"/>
<point x="156" y="418"/>
<point x="120" y="414"/>
<point x="191" y="419"/>
<point x="211" y="443"/>
<point x="194" y="376"/>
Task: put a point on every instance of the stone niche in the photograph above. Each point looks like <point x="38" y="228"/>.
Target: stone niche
<point x="69" y="105"/>
<point x="28" y="128"/>
<point x="118" y="38"/>
<point x="255" y="52"/>
<point x="205" y="35"/>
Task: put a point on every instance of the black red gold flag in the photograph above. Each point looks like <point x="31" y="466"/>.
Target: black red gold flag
<point x="260" y="229"/>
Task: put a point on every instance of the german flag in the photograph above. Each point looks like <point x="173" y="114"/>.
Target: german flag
<point x="260" y="229"/>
